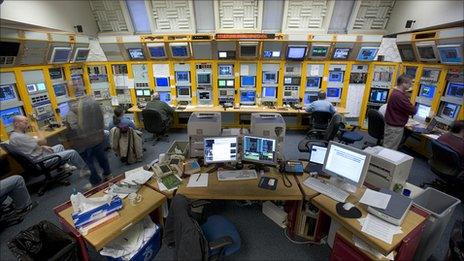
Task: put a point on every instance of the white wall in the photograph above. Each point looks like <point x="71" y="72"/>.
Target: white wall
<point x="60" y="15"/>
<point x="426" y="13"/>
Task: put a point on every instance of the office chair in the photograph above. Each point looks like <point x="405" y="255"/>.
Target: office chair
<point x="446" y="164"/>
<point x="329" y="134"/>
<point x="153" y="123"/>
<point x="185" y="239"/>
<point x="349" y="136"/>
<point x="38" y="169"/>
<point x="375" y="127"/>
<point x="319" y="120"/>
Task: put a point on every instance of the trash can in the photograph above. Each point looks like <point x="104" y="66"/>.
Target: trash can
<point x="43" y="241"/>
<point x="440" y="207"/>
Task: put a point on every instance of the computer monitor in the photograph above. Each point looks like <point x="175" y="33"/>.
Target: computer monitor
<point x="406" y="52"/>
<point x="204" y="78"/>
<point x="341" y="53"/>
<point x="271" y="54"/>
<point x="226" y="70"/>
<point x="162" y="81"/>
<point x="139" y="92"/>
<point x="60" y="89"/>
<point x="427" y="91"/>
<point x="259" y="150"/>
<point x="179" y="50"/>
<point x="247" y="97"/>
<point x="247" y="81"/>
<point x="423" y="111"/>
<point x="220" y="149"/>
<point x="296" y="52"/>
<point x="449" y="110"/>
<point x="7" y="92"/>
<point x="426" y="51"/>
<point x="455" y="89"/>
<point x="204" y="95"/>
<point x="136" y="54"/>
<point x="347" y="166"/>
<point x="183" y="91"/>
<point x="156" y="50"/>
<point x="333" y="92"/>
<point x="31" y="88"/>
<point x="378" y="95"/>
<point x="7" y="115"/>
<point x="269" y="92"/>
<point x="64" y="109"/>
<point x="248" y="49"/>
<point x="270" y="77"/>
<point x="317" y="154"/>
<point x="41" y="87"/>
<point x="367" y="54"/>
<point x="450" y="54"/>
<point x="182" y="77"/>
<point x="165" y="97"/>
<point x="335" y="76"/>
<point x="319" y="51"/>
<point x="61" y="55"/>
<point x="310" y="97"/>
<point x="222" y="83"/>
<point x="230" y="83"/>
<point x="313" y="82"/>
<point x="146" y="93"/>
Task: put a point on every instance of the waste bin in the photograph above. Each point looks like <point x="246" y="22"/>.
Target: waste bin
<point x="440" y="207"/>
<point x="43" y="241"/>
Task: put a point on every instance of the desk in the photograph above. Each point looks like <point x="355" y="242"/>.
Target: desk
<point x="420" y="142"/>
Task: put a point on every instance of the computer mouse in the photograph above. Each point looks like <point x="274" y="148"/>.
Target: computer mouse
<point x="347" y="206"/>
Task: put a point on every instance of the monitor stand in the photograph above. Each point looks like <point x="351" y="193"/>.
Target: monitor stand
<point x="342" y="184"/>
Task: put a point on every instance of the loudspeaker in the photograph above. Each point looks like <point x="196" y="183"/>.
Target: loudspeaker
<point x="78" y="28"/>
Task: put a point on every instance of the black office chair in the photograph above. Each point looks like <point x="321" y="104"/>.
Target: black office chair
<point x="153" y="123"/>
<point x="375" y="127"/>
<point x="319" y="121"/>
<point x="446" y="164"/>
<point x="185" y="239"/>
<point x="329" y="134"/>
<point x="37" y="172"/>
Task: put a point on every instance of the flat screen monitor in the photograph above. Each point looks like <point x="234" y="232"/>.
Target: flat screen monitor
<point x="222" y="55"/>
<point x="162" y="81"/>
<point x="455" y="89"/>
<point x="156" y="50"/>
<point x="61" y="55"/>
<point x="204" y="78"/>
<point x="296" y="52"/>
<point x="81" y="55"/>
<point x="333" y="92"/>
<point x="341" y="53"/>
<point x="55" y="73"/>
<point x="183" y="91"/>
<point x="31" y="88"/>
<point x="41" y="87"/>
<point x="64" y="109"/>
<point x="8" y="115"/>
<point x="179" y="50"/>
<point x="222" y="83"/>
<point x="319" y="51"/>
<point x="146" y="93"/>
<point x="450" y="54"/>
<point x="313" y="82"/>
<point x="269" y="92"/>
<point x="423" y="111"/>
<point x="248" y="50"/>
<point x="7" y="92"/>
<point x="449" y="110"/>
<point x="427" y="91"/>
<point x="136" y="53"/>
<point x="182" y="76"/>
<point x="230" y="83"/>
<point x="378" y="95"/>
<point x="247" y="81"/>
<point x="347" y="165"/>
<point x="406" y="52"/>
<point x="139" y="92"/>
<point x="335" y="76"/>
<point x="310" y="97"/>
<point x="271" y="54"/>
<point x="226" y="70"/>
<point x="259" y="150"/>
<point x="220" y="149"/>
<point x="165" y="97"/>
<point x="269" y="77"/>
<point x="426" y="52"/>
<point x="367" y="54"/>
<point x="247" y="97"/>
<point x="317" y="155"/>
<point x="60" y="89"/>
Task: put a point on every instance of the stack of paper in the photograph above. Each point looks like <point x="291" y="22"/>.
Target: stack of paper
<point x="137" y="176"/>
<point x="378" y="228"/>
<point x="198" y="180"/>
<point x="375" y="199"/>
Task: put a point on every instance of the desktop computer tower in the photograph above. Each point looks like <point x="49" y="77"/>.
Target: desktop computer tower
<point x="201" y="125"/>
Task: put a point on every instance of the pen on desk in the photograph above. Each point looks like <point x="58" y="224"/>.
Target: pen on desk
<point x="199" y="175"/>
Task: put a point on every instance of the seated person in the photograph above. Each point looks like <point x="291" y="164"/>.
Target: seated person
<point x="120" y="120"/>
<point x="15" y="188"/>
<point x="455" y="138"/>
<point x="321" y="104"/>
<point x="36" y="149"/>
<point x="163" y="108"/>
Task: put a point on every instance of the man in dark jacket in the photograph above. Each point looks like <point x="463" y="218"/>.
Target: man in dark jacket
<point x="163" y="108"/>
<point x="399" y="108"/>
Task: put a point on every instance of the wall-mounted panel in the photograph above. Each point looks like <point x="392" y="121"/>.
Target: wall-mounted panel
<point x="173" y="16"/>
<point x="109" y="15"/>
<point x="370" y="16"/>
<point x="204" y="15"/>
<point x="303" y="16"/>
<point x="238" y="15"/>
<point x="272" y="16"/>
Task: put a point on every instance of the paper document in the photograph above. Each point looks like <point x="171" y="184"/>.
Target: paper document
<point x="392" y="155"/>
<point x="114" y="101"/>
<point x="375" y="199"/>
<point x="366" y="247"/>
<point x="198" y="180"/>
<point x="379" y="229"/>
<point x="138" y="176"/>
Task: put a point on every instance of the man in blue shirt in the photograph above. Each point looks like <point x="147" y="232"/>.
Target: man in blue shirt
<point x="321" y="104"/>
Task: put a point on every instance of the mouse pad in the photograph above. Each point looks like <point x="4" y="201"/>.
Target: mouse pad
<point x="264" y="183"/>
<point x="354" y="212"/>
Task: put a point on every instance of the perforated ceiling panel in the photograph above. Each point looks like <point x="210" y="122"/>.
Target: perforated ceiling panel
<point x="109" y="15"/>
<point x="238" y="15"/>
<point x="307" y="15"/>
<point x="173" y="15"/>
<point x="371" y="16"/>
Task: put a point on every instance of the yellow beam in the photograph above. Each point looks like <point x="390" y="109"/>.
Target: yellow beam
<point x="367" y="89"/>
<point x="214" y="83"/>
<point x="280" y="84"/>
<point x="346" y="84"/>
<point x="51" y="93"/>
<point x="193" y="83"/>
<point x="304" y="67"/>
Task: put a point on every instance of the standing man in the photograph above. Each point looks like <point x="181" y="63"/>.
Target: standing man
<point x="399" y="108"/>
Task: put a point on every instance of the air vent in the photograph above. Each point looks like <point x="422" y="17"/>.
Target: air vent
<point x="7" y="60"/>
<point x="421" y="36"/>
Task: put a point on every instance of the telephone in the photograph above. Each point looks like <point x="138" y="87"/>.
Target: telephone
<point x="294" y="167"/>
<point x="162" y="170"/>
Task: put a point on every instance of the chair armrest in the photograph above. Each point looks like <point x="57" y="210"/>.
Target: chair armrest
<point x="199" y="203"/>
<point x="220" y="243"/>
<point x="41" y="161"/>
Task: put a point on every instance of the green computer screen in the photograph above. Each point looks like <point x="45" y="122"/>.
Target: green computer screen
<point x="222" y="83"/>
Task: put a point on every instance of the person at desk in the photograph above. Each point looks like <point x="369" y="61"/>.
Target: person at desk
<point x="164" y="109"/>
<point x="36" y="148"/>
<point x="399" y="108"/>
<point x="455" y="138"/>
<point x="120" y="120"/>
<point x="321" y="104"/>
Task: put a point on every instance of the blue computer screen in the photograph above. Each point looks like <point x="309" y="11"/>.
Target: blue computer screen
<point x="64" y="109"/>
<point x="7" y="92"/>
<point x="61" y="55"/>
<point x="450" y="54"/>
<point x="309" y="97"/>
<point x="136" y="53"/>
<point x="449" y="110"/>
<point x="225" y="70"/>
<point x="367" y="54"/>
<point x="270" y="92"/>
<point x="378" y="95"/>
<point x="335" y="76"/>
<point x="247" y="96"/>
<point x="296" y="52"/>
<point x="248" y="81"/>
<point x="165" y="97"/>
<point x="157" y="52"/>
<point x="182" y="76"/>
<point x="333" y="92"/>
<point x="8" y="114"/>
<point x="313" y="82"/>
<point x="162" y="82"/>
<point x="60" y="89"/>
<point x="455" y="89"/>
<point x="427" y="91"/>
<point x="179" y="51"/>
<point x="267" y="54"/>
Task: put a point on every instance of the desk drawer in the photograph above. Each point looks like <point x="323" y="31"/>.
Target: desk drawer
<point x="343" y="251"/>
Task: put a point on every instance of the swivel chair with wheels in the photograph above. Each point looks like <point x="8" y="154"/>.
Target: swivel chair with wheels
<point x="349" y="136"/>
<point x="153" y="123"/>
<point x="319" y="121"/>
<point x="38" y="171"/>
<point x="329" y="134"/>
<point x="375" y="127"/>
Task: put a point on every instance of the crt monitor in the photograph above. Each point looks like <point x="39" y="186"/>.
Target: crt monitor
<point x="64" y="109"/>
<point x="41" y="87"/>
<point x="295" y="52"/>
<point x="230" y="83"/>
<point x="81" y="54"/>
<point x="204" y="78"/>
<point x="378" y="95"/>
<point x="139" y="92"/>
<point x="220" y="149"/>
<point x="367" y="53"/>
<point x="319" y="51"/>
<point x="222" y="83"/>
<point x="341" y="53"/>
<point x="162" y="81"/>
<point x="426" y="52"/>
<point x="146" y="93"/>
<point x="313" y="82"/>
<point x="182" y="76"/>
<point x="259" y="150"/>
<point x="183" y="91"/>
<point x="423" y="111"/>
<point x="455" y="89"/>
<point x="7" y="115"/>
<point x="226" y="70"/>
<point x="247" y="97"/>
<point x="7" y="92"/>
<point x="179" y="50"/>
<point x="335" y="76"/>
<point x="450" y="54"/>
<point x="156" y="50"/>
<point x="269" y="77"/>
<point x="449" y="110"/>
<point x="333" y="92"/>
<point x="60" y="89"/>
<point x="347" y="166"/>
<point x="269" y="92"/>
<point x="406" y="52"/>
<point x="427" y="91"/>
<point x="247" y="81"/>
<point x="271" y="54"/>
<point x="165" y="97"/>
<point x="310" y="97"/>
<point x="136" y="54"/>
<point x="61" y="54"/>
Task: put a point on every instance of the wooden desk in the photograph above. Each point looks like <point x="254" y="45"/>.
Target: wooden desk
<point x="242" y="189"/>
<point x="412" y="221"/>
<point x="250" y="109"/>
<point x="308" y="193"/>
<point x="128" y="216"/>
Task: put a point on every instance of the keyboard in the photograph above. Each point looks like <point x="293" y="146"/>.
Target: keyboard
<point x="327" y="189"/>
<point x="243" y="174"/>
